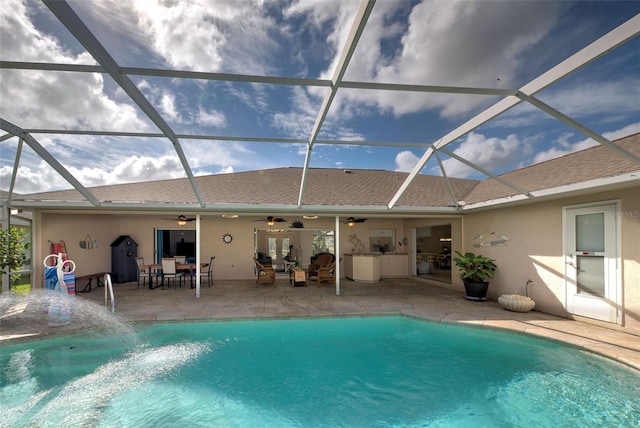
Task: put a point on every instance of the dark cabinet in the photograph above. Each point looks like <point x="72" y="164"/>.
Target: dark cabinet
<point x="124" y="251"/>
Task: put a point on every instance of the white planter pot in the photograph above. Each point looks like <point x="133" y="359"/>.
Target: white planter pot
<point x="516" y="302"/>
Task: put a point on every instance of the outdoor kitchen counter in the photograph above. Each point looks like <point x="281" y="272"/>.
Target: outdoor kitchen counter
<point x="370" y="267"/>
<point x="362" y="267"/>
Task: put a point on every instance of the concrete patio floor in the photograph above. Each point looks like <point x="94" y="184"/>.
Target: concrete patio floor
<point x="233" y="300"/>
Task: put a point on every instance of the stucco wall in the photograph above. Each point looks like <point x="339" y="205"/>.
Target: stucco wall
<point x="534" y="250"/>
<point x="536" y="245"/>
<point x="72" y="228"/>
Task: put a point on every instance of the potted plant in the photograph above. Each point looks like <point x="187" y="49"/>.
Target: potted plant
<point x="475" y="270"/>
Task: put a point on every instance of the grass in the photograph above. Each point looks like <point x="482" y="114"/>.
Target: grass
<point x="21" y="288"/>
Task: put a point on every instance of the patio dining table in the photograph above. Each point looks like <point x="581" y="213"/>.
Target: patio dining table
<point x="191" y="267"/>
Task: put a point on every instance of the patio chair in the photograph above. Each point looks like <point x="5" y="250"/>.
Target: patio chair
<point x="208" y="273"/>
<point x="318" y="261"/>
<point x="327" y="273"/>
<point x="263" y="259"/>
<point x="265" y="273"/>
<point x="169" y="272"/>
<point x="143" y="274"/>
<point x="180" y="260"/>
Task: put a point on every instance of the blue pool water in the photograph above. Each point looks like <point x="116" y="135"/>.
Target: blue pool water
<point x="354" y="372"/>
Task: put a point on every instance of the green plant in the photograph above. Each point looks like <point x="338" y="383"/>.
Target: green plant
<point x="474" y="267"/>
<point x="13" y="249"/>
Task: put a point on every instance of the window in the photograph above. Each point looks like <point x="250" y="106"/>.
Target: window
<point x="382" y="240"/>
<point x="285" y="248"/>
<point x="324" y="242"/>
<point x="273" y="248"/>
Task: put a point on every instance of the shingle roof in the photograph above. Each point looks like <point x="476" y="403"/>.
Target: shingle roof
<point x="592" y="163"/>
<point x="325" y="187"/>
<point x="366" y="188"/>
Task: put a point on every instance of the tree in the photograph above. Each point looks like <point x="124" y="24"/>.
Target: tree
<point x="13" y="248"/>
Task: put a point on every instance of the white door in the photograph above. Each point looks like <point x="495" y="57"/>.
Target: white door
<point x="591" y="256"/>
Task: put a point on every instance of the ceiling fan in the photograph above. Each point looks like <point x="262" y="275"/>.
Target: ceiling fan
<point x="273" y="220"/>
<point x="351" y="221"/>
<point x="181" y="219"/>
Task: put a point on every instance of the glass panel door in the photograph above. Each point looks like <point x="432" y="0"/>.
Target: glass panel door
<point x="591" y="249"/>
<point x="590" y="275"/>
<point x="590" y="253"/>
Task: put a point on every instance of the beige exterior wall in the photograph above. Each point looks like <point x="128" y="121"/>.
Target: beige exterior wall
<point x="536" y="246"/>
<point x="533" y="252"/>
<point x="72" y="228"/>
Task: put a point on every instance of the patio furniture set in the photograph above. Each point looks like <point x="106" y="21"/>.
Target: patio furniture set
<point x="173" y="269"/>
<point x="322" y="267"/>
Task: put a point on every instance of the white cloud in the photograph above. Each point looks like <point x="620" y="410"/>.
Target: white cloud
<point x="631" y="129"/>
<point x="320" y="14"/>
<point x="44" y="178"/>
<point x="142" y="168"/>
<point x="167" y="106"/>
<point x="588" y="98"/>
<point x="492" y="154"/>
<point x="208" y="154"/>
<point x="212" y="118"/>
<point x="615" y="99"/>
<point x="30" y="180"/>
<point x="564" y="147"/>
<point x="226" y="170"/>
<point x="405" y="161"/>
<point x="54" y="99"/>
<point x="473" y="54"/>
<point x="199" y="35"/>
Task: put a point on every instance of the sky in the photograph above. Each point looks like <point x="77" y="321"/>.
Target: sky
<point x="487" y="44"/>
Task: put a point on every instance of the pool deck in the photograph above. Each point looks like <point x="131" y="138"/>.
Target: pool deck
<point x="241" y="300"/>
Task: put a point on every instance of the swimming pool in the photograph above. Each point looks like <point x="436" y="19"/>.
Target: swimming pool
<point x="353" y="372"/>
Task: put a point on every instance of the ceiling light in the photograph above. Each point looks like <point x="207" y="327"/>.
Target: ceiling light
<point x="271" y="223"/>
<point x="351" y="223"/>
<point x="230" y="215"/>
<point x="309" y="217"/>
<point x="181" y="222"/>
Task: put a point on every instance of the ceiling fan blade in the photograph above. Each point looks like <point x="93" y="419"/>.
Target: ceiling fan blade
<point x="354" y="220"/>
<point x="274" y="219"/>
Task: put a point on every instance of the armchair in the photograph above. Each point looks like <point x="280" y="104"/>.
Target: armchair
<point x="263" y="259"/>
<point x="318" y="261"/>
<point x="327" y="274"/>
<point x="265" y="273"/>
